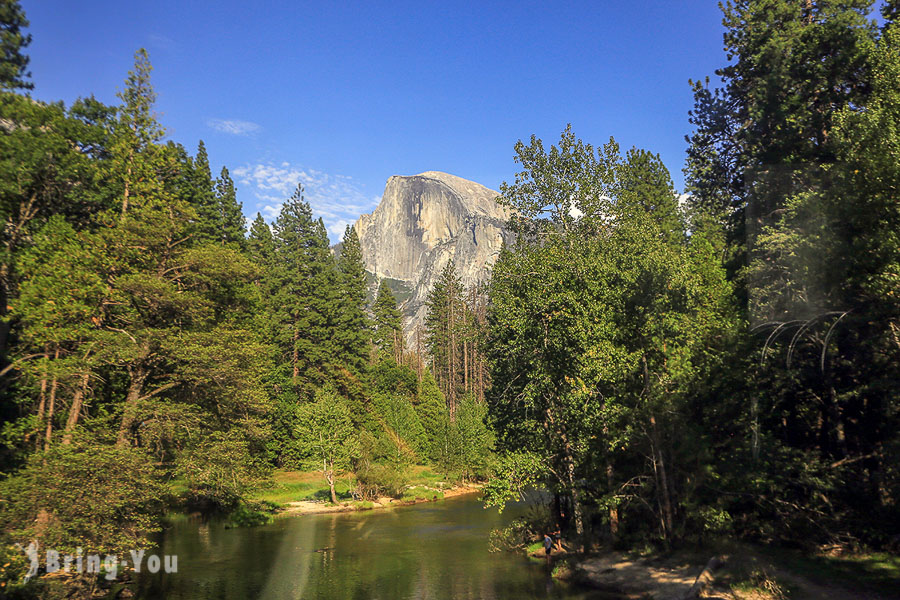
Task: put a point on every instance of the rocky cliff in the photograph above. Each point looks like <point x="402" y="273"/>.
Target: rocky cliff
<point x="424" y="221"/>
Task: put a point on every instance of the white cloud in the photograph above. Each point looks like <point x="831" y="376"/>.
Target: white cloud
<point x="233" y="126"/>
<point x="162" y="42"/>
<point x="338" y="199"/>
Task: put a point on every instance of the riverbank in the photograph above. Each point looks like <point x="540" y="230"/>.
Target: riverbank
<point x="300" y="493"/>
<point x="735" y="571"/>
<point x="308" y="507"/>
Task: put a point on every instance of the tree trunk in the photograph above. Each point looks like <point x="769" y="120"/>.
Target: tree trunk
<point x="577" y="511"/>
<point x="75" y="410"/>
<point x="613" y="509"/>
<point x="42" y="405"/>
<point x="126" y="194"/>
<point x="138" y="377"/>
<point x="419" y="351"/>
<point x="662" y="481"/>
<point x="466" y="366"/>
<point x="569" y="470"/>
<point x="51" y="402"/>
<point x="329" y="477"/>
<point x="295" y="356"/>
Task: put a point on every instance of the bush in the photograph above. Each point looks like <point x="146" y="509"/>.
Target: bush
<point x="250" y="515"/>
<point x="100" y="498"/>
<point x="220" y="471"/>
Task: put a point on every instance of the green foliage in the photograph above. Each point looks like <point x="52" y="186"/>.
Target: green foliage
<point x="476" y="440"/>
<point x="326" y="436"/>
<point x="442" y="334"/>
<point x="220" y="470"/>
<point x="13" y="569"/>
<point x="791" y="68"/>
<point x="402" y="426"/>
<point x="378" y="473"/>
<point x="100" y="498"/>
<point x="514" y="474"/>
<point x="13" y="63"/>
<point x="203" y="198"/>
<point x="231" y="221"/>
<point x="601" y="325"/>
<point x="248" y="516"/>
<point x="304" y="294"/>
<point x="431" y="408"/>
<point x="390" y="377"/>
<point x="260" y="244"/>
<point x="388" y="325"/>
<point x="352" y="329"/>
<point x="804" y="153"/>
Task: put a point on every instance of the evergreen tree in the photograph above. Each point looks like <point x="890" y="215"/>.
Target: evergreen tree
<point x="763" y="136"/>
<point x="203" y="198"/>
<point x="443" y="326"/>
<point x="134" y="165"/>
<point x="13" y="63"/>
<point x="432" y="410"/>
<point x="231" y="213"/>
<point x="643" y="185"/>
<point x="825" y="276"/>
<point x="260" y="244"/>
<point x="476" y="437"/>
<point x="352" y="329"/>
<point x="304" y="292"/>
<point x="52" y="162"/>
<point x="388" y="325"/>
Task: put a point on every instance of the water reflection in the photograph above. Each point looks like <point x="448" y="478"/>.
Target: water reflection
<point x="434" y="551"/>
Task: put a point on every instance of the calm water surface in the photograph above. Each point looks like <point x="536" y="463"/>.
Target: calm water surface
<point x="431" y="551"/>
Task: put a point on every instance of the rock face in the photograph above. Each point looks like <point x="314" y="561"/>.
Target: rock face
<point x="423" y="222"/>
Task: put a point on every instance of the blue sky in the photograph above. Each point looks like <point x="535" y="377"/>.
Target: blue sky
<point x="341" y="96"/>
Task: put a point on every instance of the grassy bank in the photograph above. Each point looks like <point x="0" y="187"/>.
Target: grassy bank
<point x="292" y="487"/>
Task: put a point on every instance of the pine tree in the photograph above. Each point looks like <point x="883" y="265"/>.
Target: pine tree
<point x="764" y="135"/>
<point x="304" y="292"/>
<point x="260" y="244"/>
<point x="431" y="407"/>
<point x="134" y="135"/>
<point x="444" y="324"/>
<point x="388" y="324"/>
<point x="13" y="63"/>
<point x="643" y="184"/>
<point x="203" y="198"/>
<point x="890" y="10"/>
<point x="231" y="212"/>
<point x="352" y="329"/>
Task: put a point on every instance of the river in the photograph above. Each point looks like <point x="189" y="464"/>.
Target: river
<point x="433" y="551"/>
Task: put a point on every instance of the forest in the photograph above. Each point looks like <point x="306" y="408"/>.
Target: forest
<point x="669" y="367"/>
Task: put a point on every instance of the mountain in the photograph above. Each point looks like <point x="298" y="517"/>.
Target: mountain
<point x="422" y="222"/>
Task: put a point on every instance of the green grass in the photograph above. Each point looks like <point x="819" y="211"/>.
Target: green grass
<point x="535" y="547"/>
<point x="418" y="491"/>
<point x="294" y="486"/>
<point x="877" y="572"/>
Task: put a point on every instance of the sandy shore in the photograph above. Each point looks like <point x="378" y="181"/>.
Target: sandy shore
<point x="306" y="507"/>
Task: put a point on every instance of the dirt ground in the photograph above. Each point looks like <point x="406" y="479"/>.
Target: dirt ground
<point x="673" y="578"/>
